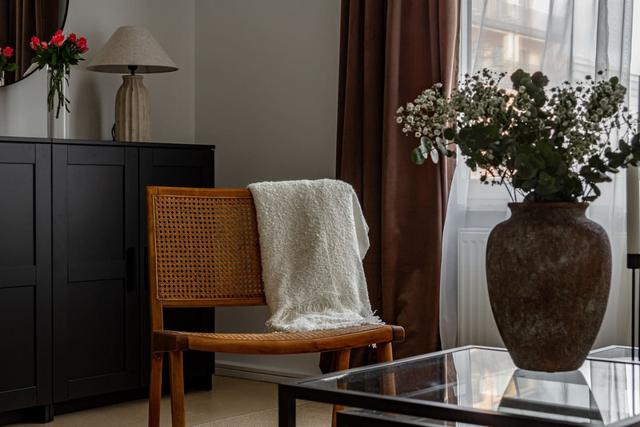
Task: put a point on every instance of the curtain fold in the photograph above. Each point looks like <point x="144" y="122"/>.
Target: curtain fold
<point x="390" y="51"/>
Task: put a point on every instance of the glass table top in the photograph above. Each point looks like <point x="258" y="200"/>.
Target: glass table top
<point x="601" y="392"/>
<point x="615" y="352"/>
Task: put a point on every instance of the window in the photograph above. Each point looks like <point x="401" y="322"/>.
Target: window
<point x="558" y="37"/>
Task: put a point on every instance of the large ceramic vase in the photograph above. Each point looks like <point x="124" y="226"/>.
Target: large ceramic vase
<point x="548" y="273"/>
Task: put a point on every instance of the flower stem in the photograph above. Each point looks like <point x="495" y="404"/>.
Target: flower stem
<point x="58" y="77"/>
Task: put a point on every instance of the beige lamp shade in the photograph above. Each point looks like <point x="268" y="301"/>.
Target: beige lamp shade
<point x="132" y="46"/>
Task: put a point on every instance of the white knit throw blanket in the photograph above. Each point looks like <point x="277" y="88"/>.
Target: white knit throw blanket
<point x="313" y="238"/>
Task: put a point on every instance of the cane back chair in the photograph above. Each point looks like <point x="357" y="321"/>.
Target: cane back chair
<point x="203" y="252"/>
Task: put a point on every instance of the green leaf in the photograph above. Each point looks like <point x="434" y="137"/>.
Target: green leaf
<point x="546" y="184"/>
<point x="416" y="156"/>
<point x="449" y="134"/>
<point x="624" y="147"/>
<point x="525" y="170"/>
<point x="539" y="79"/>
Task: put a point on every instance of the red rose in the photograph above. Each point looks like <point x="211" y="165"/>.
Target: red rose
<point x="35" y="43"/>
<point x="72" y="37"/>
<point x="57" y="39"/>
<point x="44" y="45"/>
<point x="58" y="32"/>
<point x="7" y="52"/>
<point x="82" y="45"/>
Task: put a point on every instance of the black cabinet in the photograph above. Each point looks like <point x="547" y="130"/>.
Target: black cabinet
<point x="73" y="283"/>
<point x="25" y="275"/>
<point x="96" y="313"/>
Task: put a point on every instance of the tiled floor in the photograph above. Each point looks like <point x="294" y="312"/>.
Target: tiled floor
<point x="232" y="403"/>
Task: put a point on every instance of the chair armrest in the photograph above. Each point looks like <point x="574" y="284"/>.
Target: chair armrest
<point x="162" y="341"/>
<point x="398" y="333"/>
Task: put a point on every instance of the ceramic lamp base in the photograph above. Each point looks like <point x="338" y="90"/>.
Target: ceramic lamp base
<point x="133" y="110"/>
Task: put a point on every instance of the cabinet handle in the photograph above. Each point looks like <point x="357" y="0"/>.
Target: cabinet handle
<point x="131" y="264"/>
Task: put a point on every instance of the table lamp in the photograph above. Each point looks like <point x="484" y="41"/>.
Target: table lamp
<point x="132" y="50"/>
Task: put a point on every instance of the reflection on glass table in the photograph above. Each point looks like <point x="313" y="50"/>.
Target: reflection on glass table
<point x="562" y="395"/>
<point x="481" y="386"/>
<point x="615" y="352"/>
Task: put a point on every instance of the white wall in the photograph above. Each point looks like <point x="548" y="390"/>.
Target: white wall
<point x="22" y="105"/>
<point x="266" y="95"/>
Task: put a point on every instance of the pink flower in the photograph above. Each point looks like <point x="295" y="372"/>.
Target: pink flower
<point x="7" y="52"/>
<point x="57" y="39"/>
<point x="35" y="43"/>
<point x="44" y="45"/>
<point x="82" y="45"/>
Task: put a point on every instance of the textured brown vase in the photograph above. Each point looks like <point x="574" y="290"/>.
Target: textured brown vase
<point x="548" y="273"/>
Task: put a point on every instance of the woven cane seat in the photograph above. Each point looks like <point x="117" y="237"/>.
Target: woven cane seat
<point x="287" y="342"/>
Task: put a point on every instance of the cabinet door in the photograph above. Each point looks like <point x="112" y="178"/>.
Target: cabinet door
<point x="25" y="275"/>
<point x="175" y="167"/>
<point x="95" y="277"/>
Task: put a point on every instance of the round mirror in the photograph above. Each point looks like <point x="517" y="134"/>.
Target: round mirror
<point x="22" y="19"/>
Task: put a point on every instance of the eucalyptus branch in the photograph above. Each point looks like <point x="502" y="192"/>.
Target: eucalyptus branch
<point x="548" y="145"/>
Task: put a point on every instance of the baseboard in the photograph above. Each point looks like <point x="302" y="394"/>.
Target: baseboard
<point x="257" y="373"/>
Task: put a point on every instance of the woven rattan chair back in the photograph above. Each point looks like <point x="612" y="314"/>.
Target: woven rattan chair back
<point x="203" y="246"/>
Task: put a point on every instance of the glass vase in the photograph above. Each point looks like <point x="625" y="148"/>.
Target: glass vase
<point x="57" y="102"/>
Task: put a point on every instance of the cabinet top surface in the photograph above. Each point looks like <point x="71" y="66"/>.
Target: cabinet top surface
<point x="31" y="140"/>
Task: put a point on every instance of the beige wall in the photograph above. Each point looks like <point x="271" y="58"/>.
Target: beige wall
<point x="266" y="95"/>
<point x="22" y="105"/>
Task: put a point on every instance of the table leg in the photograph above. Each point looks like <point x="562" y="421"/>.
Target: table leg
<point x="286" y="408"/>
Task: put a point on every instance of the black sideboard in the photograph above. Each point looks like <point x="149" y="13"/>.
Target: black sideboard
<point x="74" y="323"/>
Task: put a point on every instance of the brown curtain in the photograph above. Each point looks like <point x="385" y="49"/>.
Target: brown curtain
<point x="21" y="19"/>
<point x="391" y="50"/>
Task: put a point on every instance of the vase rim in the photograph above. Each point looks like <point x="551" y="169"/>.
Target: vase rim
<point x="556" y="205"/>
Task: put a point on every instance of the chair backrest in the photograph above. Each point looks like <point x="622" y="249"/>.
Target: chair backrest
<point x="203" y="248"/>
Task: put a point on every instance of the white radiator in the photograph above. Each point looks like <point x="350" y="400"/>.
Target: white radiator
<point x="475" y="319"/>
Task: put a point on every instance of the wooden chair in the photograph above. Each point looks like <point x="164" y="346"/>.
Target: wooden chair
<point x="203" y="252"/>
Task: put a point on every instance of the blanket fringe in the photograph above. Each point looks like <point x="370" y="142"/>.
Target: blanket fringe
<point x="293" y="321"/>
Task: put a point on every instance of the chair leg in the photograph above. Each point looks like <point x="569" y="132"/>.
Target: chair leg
<point x="155" y="389"/>
<point x="342" y="360"/>
<point x="385" y="354"/>
<point x="177" y="389"/>
<point x="342" y="363"/>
